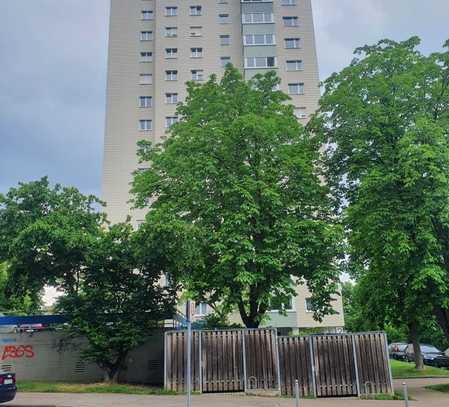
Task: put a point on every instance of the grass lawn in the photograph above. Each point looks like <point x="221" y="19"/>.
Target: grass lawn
<point x="395" y="396"/>
<point x="439" y="387"/>
<point x="56" y="387"/>
<point x="404" y="370"/>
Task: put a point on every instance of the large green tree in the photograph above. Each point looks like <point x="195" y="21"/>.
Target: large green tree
<point x="238" y="175"/>
<point x="119" y="301"/>
<point x="385" y="120"/>
<point x="45" y="233"/>
<point x="109" y="276"/>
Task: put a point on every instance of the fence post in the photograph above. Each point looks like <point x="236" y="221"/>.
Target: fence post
<point x="297" y="392"/>
<point x="390" y="376"/>
<point x="405" y="390"/>
<point x="245" y="385"/>
<point x="356" y="365"/>
<point x="200" y="358"/>
<point x="312" y="365"/>
<point x="165" y="360"/>
<point x="189" y="355"/>
<point x="278" y="362"/>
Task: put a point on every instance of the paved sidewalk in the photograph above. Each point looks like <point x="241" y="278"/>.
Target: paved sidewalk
<point x="421" y="396"/>
<point x="222" y="400"/>
<point x="417" y="391"/>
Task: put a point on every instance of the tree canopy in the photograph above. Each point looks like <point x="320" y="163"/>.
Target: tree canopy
<point x="45" y="233"/>
<point x="111" y="291"/>
<point x="238" y="176"/>
<point x="119" y="301"/>
<point x="385" y="120"/>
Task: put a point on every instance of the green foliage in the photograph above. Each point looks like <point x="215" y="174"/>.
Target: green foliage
<point x="217" y="321"/>
<point x="119" y="300"/>
<point x="45" y="233"/>
<point x="111" y="292"/>
<point x="13" y="303"/>
<point x="237" y="180"/>
<point x="385" y="120"/>
<point x="363" y="312"/>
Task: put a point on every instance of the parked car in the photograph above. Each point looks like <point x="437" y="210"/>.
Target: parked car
<point x="431" y="355"/>
<point x="30" y="328"/>
<point x="397" y="351"/>
<point x="7" y="386"/>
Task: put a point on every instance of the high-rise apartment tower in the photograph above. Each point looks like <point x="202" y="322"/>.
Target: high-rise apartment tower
<point x="156" y="46"/>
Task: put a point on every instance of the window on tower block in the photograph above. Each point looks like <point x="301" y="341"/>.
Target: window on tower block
<point x="290" y="21"/>
<point x="225" y="39"/>
<point x="171" y="75"/>
<point x="201" y="309"/>
<point x="223" y="18"/>
<point x="146" y="57"/>
<point x="171" y="98"/>
<point x="294" y="65"/>
<point x="196" y="31"/>
<point x="146" y="35"/>
<point x="171" y="32"/>
<point x="145" y="101"/>
<point x="301" y="112"/>
<point x="171" y="11"/>
<point x="196" y="52"/>
<point x="171" y="52"/>
<point x="258" y="39"/>
<point x="195" y="10"/>
<point x="224" y="61"/>
<point x="146" y="79"/>
<point x="170" y="121"/>
<point x="296" y="88"/>
<point x="147" y="15"/>
<point x="309" y="305"/>
<point x="291" y="43"/>
<point x="145" y="125"/>
<point x="260" y="62"/>
<point x="197" y="75"/>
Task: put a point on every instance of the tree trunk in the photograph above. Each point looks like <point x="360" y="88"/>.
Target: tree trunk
<point x="112" y="370"/>
<point x="111" y="375"/>
<point x="414" y="339"/>
<point x="442" y="317"/>
<point x="250" y="319"/>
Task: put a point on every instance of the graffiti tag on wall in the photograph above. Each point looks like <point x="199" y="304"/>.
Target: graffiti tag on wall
<point x="17" y="352"/>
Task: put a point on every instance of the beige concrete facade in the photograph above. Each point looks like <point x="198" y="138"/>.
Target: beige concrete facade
<point x="156" y="46"/>
<point x="300" y="316"/>
<point x="158" y="28"/>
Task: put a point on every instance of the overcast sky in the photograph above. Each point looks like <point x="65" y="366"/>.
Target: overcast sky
<point x="53" y="74"/>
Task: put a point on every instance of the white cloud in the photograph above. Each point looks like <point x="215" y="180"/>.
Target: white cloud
<point x="343" y="25"/>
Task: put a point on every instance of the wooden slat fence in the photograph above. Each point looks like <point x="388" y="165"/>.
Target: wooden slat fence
<point x="335" y="371"/>
<point x="262" y="364"/>
<point x="176" y="361"/>
<point x="246" y="360"/>
<point x="373" y="363"/>
<point x="222" y="361"/>
<point x="295" y="362"/>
